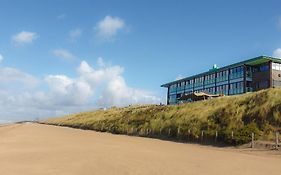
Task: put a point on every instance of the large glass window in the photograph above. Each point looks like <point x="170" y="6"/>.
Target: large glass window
<point x="249" y="72"/>
<point x="198" y="81"/>
<point x="261" y="68"/>
<point x="173" y="99"/>
<point x="264" y="68"/>
<point x="249" y="86"/>
<point x="236" y="72"/>
<point x="210" y="90"/>
<point x="180" y="87"/>
<point x="276" y="66"/>
<point x="189" y="84"/>
<point x="210" y="79"/>
<point x="236" y="88"/>
<point x="262" y="84"/>
<point x="222" y="76"/>
<point x="222" y="89"/>
<point x="173" y="88"/>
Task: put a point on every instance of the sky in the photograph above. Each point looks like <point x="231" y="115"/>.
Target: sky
<point x="65" y="56"/>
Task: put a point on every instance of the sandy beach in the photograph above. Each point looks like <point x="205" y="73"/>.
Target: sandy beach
<point x="42" y="149"/>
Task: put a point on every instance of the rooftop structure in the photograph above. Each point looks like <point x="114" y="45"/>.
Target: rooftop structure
<point x="246" y="76"/>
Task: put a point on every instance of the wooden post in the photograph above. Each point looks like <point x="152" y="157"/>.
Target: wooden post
<point x="276" y="140"/>
<point x="188" y="134"/>
<point x="102" y="127"/>
<point x="232" y="135"/>
<point x="178" y="131"/>
<point x="252" y="142"/>
<point x="216" y="136"/>
<point x="202" y="135"/>
<point x="169" y="132"/>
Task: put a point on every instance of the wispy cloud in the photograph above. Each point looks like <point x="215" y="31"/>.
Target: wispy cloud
<point x="63" y="54"/>
<point x="277" y="53"/>
<point x="61" y="16"/>
<point x="108" y="27"/>
<point x="1" y="58"/>
<point x="75" y="34"/>
<point x="24" y="37"/>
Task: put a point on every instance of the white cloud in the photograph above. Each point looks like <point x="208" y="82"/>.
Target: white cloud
<point x="75" y="34"/>
<point x="24" y="37"/>
<point x="1" y="58"/>
<point x="65" y="91"/>
<point x="63" y="54"/>
<point x="277" y="53"/>
<point x="10" y="76"/>
<point x="92" y="88"/>
<point x="109" y="26"/>
<point x="118" y="93"/>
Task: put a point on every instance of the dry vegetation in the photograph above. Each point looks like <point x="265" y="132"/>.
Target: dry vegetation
<point x="258" y="112"/>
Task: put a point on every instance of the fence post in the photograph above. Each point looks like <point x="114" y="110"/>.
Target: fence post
<point x="216" y="136"/>
<point x="252" y="142"/>
<point x="102" y="127"/>
<point x="231" y="135"/>
<point x="202" y="135"/>
<point x="188" y="135"/>
<point x="178" y="132"/>
<point x="169" y="132"/>
<point x="276" y="140"/>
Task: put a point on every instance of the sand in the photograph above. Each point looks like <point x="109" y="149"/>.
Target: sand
<point x="29" y="148"/>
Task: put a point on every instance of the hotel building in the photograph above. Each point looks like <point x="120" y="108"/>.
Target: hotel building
<point x="246" y="76"/>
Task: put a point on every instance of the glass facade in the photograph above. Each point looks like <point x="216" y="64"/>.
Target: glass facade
<point x="212" y="83"/>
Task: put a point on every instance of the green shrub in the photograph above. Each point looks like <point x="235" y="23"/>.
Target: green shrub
<point x="244" y="134"/>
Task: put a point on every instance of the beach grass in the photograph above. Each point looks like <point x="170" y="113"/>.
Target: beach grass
<point x="233" y="117"/>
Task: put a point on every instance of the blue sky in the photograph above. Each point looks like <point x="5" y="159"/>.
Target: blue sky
<point x="55" y="48"/>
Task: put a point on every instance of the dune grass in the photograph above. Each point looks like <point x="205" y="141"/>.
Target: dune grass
<point x="258" y="112"/>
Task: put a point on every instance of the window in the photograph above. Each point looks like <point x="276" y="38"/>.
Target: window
<point x="276" y="66"/>
<point x="198" y="81"/>
<point x="236" y="88"/>
<point x="236" y="72"/>
<point x="264" y="68"/>
<point x="209" y="79"/>
<point x="263" y="84"/>
<point x="222" y="76"/>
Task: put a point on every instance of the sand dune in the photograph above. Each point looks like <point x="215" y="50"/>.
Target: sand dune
<point x="42" y="149"/>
